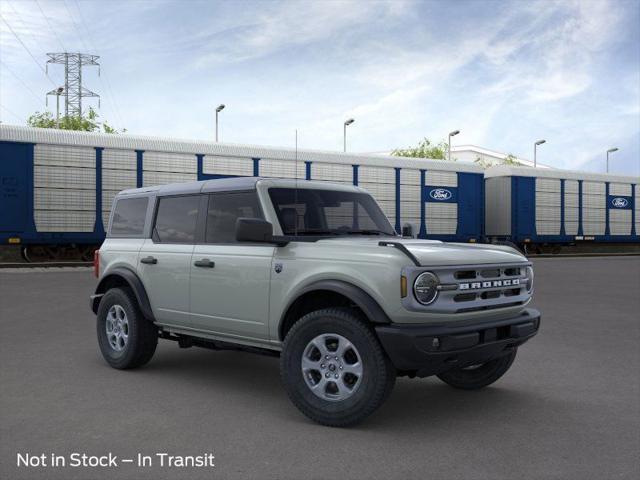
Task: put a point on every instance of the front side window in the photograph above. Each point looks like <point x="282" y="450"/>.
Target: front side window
<point x="328" y="212"/>
<point x="128" y="217"/>
<point x="224" y="209"/>
<point x="176" y="219"/>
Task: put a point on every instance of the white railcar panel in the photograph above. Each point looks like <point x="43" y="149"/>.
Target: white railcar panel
<point x="593" y="188"/>
<point x="547" y="227"/>
<point x="547" y="220"/>
<point x="389" y="209"/>
<point x="282" y="169"/>
<point x="409" y="210"/>
<point x="65" y="177"/>
<point x="332" y="172"/>
<point x="571" y="214"/>
<point x="594" y="201"/>
<point x="214" y="165"/>
<point x="61" y="199"/>
<point x="548" y="199"/>
<point x="64" y="156"/>
<point x="163" y="178"/>
<point x="441" y="218"/>
<point x="620" y="189"/>
<point x="119" y="159"/>
<point x="571" y="228"/>
<point x="119" y="179"/>
<point x="381" y="191"/>
<point x="619" y="222"/>
<point x="593" y="228"/>
<point x="571" y="200"/>
<point x="64" y="221"/>
<point x="409" y="176"/>
<point x="368" y="174"/>
<point x="547" y="185"/>
<point x="571" y="186"/>
<point x="169" y="162"/>
<point x="594" y="214"/>
<point x="441" y="179"/>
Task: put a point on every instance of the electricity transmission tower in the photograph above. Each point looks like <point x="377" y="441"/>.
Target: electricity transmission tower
<point x="73" y="91"/>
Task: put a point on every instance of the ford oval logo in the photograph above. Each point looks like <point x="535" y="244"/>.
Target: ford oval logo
<point x="440" y="194"/>
<point x="619" y="202"/>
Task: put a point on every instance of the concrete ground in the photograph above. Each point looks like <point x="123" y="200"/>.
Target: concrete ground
<point x="569" y="407"/>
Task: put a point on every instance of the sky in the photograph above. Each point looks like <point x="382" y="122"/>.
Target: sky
<point x="504" y="73"/>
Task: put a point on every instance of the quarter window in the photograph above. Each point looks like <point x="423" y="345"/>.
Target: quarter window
<point x="129" y="216"/>
<point x="224" y="209"/>
<point x="176" y="219"/>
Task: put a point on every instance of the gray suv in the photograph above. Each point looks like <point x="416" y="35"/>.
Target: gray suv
<point x="312" y="272"/>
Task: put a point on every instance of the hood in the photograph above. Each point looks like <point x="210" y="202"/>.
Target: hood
<point x="436" y="253"/>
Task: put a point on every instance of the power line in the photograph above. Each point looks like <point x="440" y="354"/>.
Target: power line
<point x="27" y="49"/>
<point x="75" y="26"/>
<point x="50" y="27"/>
<point x="107" y="83"/>
<point x="35" y="95"/>
<point x="12" y="113"/>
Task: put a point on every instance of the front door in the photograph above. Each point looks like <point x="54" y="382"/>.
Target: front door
<point x="230" y="280"/>
<point x="164" y="262"/>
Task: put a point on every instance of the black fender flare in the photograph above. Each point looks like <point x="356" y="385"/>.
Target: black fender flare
<point x="370" y="307"/>
<point x="133" y="281"/>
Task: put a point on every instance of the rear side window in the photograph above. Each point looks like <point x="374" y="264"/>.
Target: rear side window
<point x="224" y="210"/>
<point x="176" y="219"/>
<point x="128" y="217"/>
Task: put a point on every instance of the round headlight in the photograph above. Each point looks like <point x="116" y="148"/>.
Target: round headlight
<point x="529" y="277"/>
<point x="425" y="288"/>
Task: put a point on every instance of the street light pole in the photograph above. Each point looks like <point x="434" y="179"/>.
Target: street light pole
<point x="451" y="134"/>
<point x="535" y="152"/>
<point x="59" y="90"/>
<point x="611" y="150"/>
<point x="218" y="110"/>
<point x="344" y="133"/>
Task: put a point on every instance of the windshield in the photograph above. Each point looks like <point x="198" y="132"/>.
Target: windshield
<point x="328" y="212"/>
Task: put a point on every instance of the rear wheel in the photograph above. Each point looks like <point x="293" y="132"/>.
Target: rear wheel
<point x="478" y="376"/>
<point x="334" y="369"/>
<point x="125" y="337"/>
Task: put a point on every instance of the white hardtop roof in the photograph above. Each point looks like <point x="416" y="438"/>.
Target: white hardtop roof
<point x="137" y="142"/>
<point x="238" y="183"/>
<point x="510" y="171"/>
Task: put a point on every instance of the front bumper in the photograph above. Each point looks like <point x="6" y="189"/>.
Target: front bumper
<point x="429" y="350"/>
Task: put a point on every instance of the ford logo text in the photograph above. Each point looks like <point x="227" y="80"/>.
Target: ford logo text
<point x="440" y="194"/>
<point x="619" y="202"/>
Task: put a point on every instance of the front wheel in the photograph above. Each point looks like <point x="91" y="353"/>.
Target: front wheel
<point x="479" y="376"/>
<point x="334" y="369"/>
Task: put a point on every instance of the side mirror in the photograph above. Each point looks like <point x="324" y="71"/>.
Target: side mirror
<point x="407" y="230"/>
<point x="253" y="230"/>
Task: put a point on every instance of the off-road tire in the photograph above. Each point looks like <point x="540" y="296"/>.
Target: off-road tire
<point x="481" y="376"/>
<point x="378" y="377"/>
<point x="142" y="333"/>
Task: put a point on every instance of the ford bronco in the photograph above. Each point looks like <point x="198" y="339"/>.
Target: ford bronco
<point x="312" y="272"/>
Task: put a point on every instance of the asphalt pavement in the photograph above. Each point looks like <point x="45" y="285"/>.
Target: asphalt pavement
<point x="568" y="408"/>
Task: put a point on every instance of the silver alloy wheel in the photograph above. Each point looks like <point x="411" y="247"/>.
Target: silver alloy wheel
<point x="332" y="367"/>
<point x="117" y="327"/>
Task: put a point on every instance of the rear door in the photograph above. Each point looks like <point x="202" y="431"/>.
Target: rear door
<point x="230" y="280"/>
<point x="14" y="201"/>
<point x="164" y="262"/>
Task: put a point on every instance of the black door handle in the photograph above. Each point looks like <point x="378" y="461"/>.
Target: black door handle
<point x="149" y="260"/>
<point x="205" y="262"/>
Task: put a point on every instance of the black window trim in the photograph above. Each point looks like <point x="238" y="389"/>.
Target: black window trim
<point x="154" y="237"/>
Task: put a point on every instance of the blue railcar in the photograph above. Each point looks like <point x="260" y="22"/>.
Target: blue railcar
<point x="547" y="206"/>
<point x="57" y="186"/>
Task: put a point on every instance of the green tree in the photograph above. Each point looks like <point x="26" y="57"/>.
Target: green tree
<point x="86" y="123"/>
<point x="510" y="159"/>
<point x="425" y="149"/>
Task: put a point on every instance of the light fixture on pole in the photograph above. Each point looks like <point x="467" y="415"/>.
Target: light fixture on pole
<point x="611" y="150"/>
<point x="344" y="135"/>
<point x="535" y="152"/>
<point x="451" y="134"/>
<point x="59" y="91"/>
<point x="218" y="110"/>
